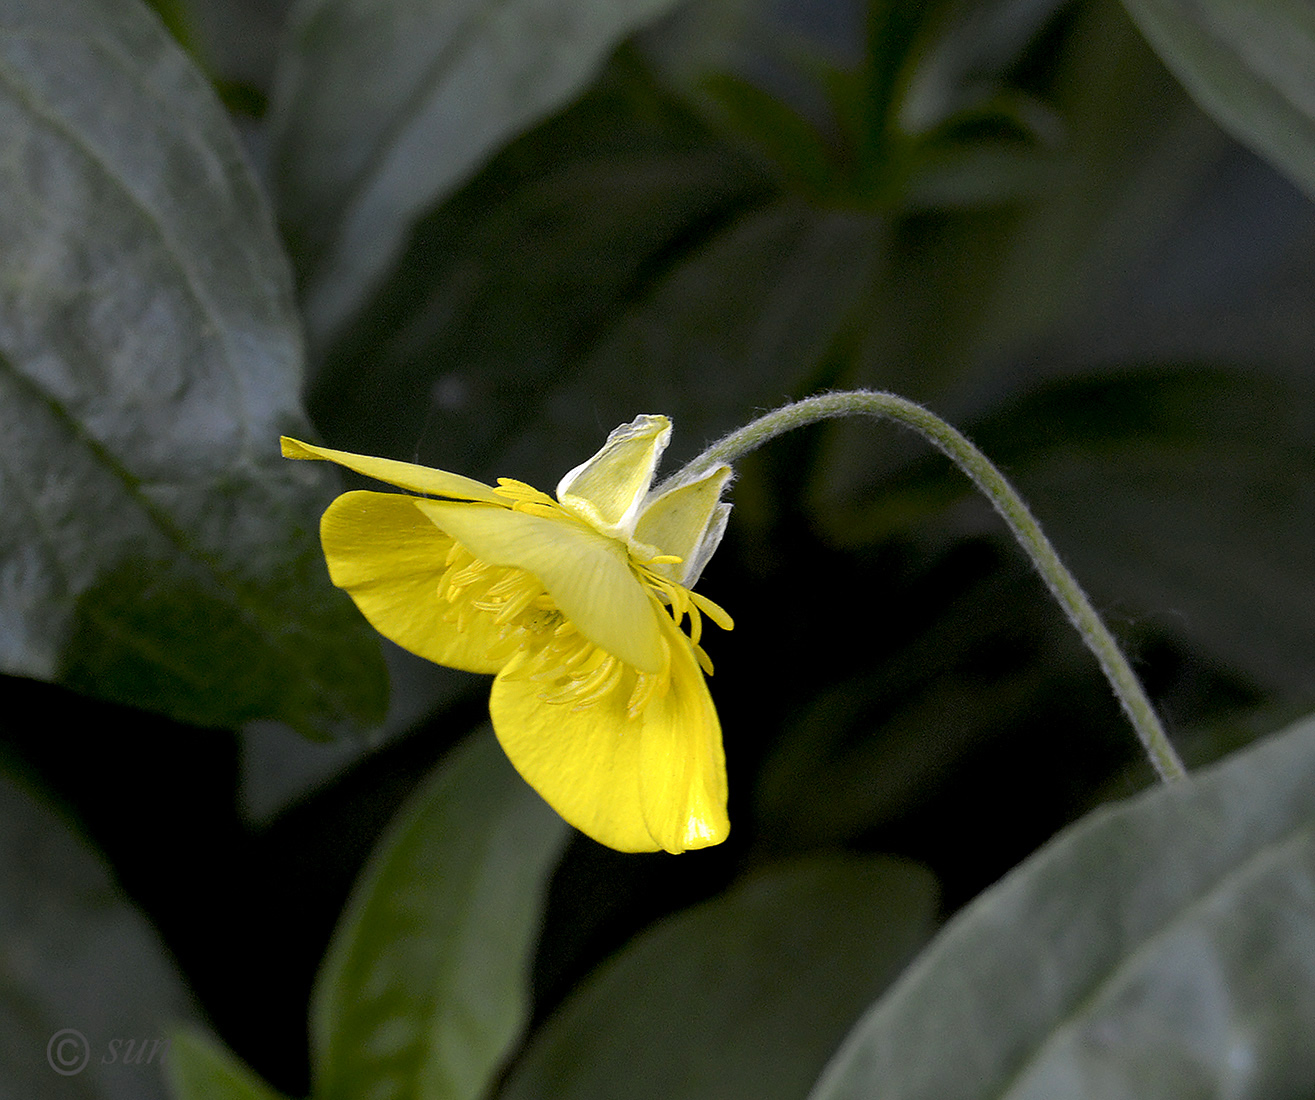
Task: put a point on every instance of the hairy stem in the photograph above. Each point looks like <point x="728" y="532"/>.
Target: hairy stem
<point x="1004" y="497"/>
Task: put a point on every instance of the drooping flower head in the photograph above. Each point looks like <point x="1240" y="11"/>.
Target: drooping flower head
<point x="583" y="606"/>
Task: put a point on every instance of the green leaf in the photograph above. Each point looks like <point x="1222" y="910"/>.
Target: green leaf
<point x="742" y="996"/>
<point x="1161" y="947"/>
<point x="201" y="1069"/>
<point x="753" y="312"/>
<point x="1251" y="65"/>
<point x="82" y="972"/>
<point x="975" y="666"/>
<point x="783" y="135"/>
<point x="158" y="551"/>
<point x="384" y="108"/>
<point x="426" y="984"/>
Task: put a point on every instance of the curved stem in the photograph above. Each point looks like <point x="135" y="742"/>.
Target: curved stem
<point x="1005" y="499"/>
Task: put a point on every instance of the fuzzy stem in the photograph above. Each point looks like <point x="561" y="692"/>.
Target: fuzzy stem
<point x="1006" y="501"/>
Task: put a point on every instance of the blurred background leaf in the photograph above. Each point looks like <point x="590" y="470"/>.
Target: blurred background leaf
<point x="1162" y="947"/>
<point x="464" y="345"/>
<point x="75" y="954"/>
<point x="200" y="1069"/>
<point x="743" y="996"/>
<point x="382" y="109"/>
<point x="157" y="549"/>
<point x="1251" y="65"/>
<point x="426" y="985"/>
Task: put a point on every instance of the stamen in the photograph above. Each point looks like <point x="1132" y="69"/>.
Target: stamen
<point x="594" y="657"/>
<point x="679" y="601"/>
<point x="695" y="623"/>
<point x="714" y="611"/>
<point x="606" y="672"/>
<point x="526" y="498"/>
<point x="467" y="575"/>
<point x="576" y="658"/>
<point x="583" y="690"/>
<point x="646" y="687"/>
<point x="510" y="581"/>
<point x="513" y="606"/>
<point x="559" y="658"/>
<point x="588" y="697"/>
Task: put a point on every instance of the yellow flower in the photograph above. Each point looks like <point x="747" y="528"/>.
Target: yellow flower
<point x="577" y="605"/>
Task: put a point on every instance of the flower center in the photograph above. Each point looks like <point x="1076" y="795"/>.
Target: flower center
<point x="572" y="670"/>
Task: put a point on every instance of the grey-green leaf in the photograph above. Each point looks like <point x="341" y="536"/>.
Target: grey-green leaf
<point x="384" y="107"/>
<point x="199" y="1068"/>
<point x="426" y="984"/>
<point x="1161" y="947"/>
<point x="157" y="549"/>
<point x="741" y="997"/>
<point x="82" y="973"/>
<point x="1250" y="64"/>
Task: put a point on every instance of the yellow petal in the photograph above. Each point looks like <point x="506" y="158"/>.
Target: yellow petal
<point x="682" y="766"/>
<point x="587" y="574"/>
<point x="608" y="489"/>
<point x="405" y="475"/>
<point x="654" y="781"/>
<point x="389" y="557"/>
<point x="687" y="522"/>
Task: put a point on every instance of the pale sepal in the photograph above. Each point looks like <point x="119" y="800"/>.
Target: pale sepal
<point x="608" y="490"/>
<point x="687" y="522"/>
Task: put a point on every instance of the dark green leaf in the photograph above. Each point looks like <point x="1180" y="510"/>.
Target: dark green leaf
<point x="786" y="137"/>
<point x="753" y="313"/>
<point x="1163" y="947"/>
<point x="982" y="174"/>
<point x="426" y="984"/>
<point x="1250" y="64"/>
<point x="741" y="997"/>
<point x="82" y="973"/>
<point x="158" y="551"/>
<point x="970" y="664"/>
<point x="385" y="108"/>
<point x="201" y="1069"/>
